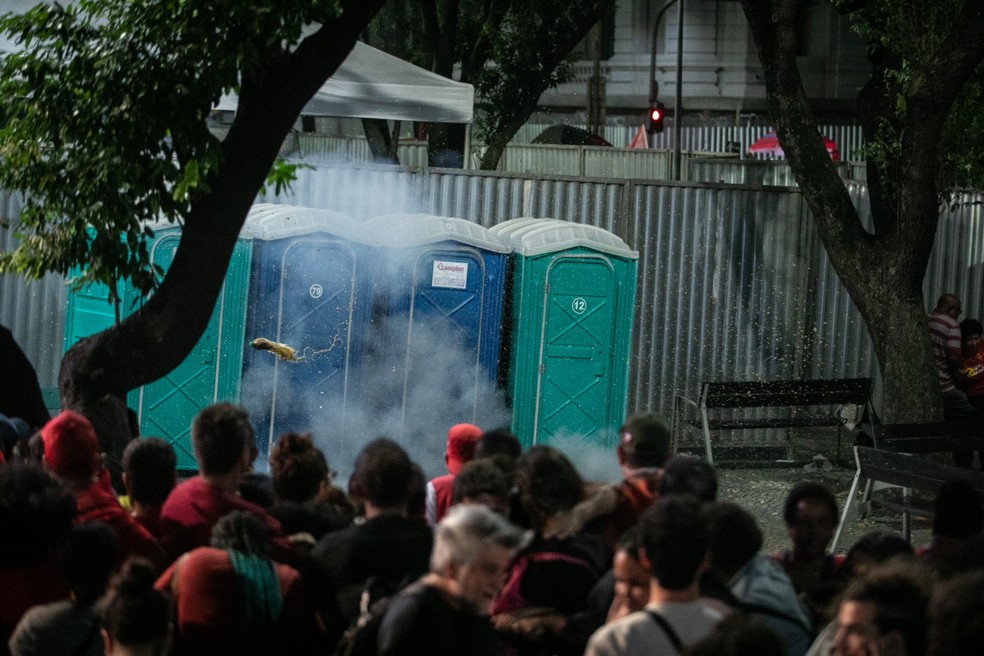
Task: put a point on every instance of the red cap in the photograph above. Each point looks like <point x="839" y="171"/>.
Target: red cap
<point x="71" y="449"/>
<point x="461" y="445"/>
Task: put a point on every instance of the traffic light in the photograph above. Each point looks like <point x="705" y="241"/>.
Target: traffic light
<point x="656" y="115"/>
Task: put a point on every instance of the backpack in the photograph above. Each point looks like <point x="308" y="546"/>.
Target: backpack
<point x="360" y="637"/>
<point x="511" y="598"/>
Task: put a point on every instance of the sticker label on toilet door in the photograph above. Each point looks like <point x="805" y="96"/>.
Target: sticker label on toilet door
<point x="450" y="275"/>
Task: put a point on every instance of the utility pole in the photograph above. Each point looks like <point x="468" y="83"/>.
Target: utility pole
<point x="654" y="86"/>
<point x="596" y="85"/>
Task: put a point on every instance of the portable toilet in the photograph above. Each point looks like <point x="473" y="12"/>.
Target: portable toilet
<point x="308" y="290"/>
<point x="437" y="313"/>
<point x="573" y="295"/>
<point x="210" y="373"/>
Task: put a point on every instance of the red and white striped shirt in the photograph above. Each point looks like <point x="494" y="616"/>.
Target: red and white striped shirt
<point x="944" y="333"/>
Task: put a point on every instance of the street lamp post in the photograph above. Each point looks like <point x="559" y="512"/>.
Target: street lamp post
<point x="654" y="87"/>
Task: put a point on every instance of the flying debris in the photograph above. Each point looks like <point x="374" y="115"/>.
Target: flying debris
<point x="282" y="351"/>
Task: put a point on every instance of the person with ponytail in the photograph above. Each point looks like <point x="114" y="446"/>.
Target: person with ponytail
<point x="231" y="598"/>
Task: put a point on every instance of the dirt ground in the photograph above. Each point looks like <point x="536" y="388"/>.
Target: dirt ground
<point x="762" y="492"/>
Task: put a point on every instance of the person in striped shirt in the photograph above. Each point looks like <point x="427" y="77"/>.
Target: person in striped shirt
<point x="944" y="333"/>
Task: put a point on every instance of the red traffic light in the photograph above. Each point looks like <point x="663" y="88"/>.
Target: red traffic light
<point x="656" y="115"/>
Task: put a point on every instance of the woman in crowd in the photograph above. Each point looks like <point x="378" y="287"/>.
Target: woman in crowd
<point x="136" y="618"/>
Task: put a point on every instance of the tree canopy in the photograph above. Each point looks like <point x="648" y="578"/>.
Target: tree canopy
<point x="904" y="40"/>
<point x="512" y="51"/>
<point x="105" y="113"/>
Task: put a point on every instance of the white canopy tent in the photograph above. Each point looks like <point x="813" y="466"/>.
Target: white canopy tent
<point x="373" y="84"/>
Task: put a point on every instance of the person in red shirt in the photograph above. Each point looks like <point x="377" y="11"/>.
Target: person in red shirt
<point x="971" y="379"/>
<point x="460" y="449"/>
<point x="71" y="452"/>
<point x="810" y="513"/>
<point x="224" y="447"/>
<point x="973" y="365"/>
<point x="231" y="599"/>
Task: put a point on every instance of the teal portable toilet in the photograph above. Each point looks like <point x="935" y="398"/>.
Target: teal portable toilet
<point x="211" y="371"/>
<point x="573" y="295"/>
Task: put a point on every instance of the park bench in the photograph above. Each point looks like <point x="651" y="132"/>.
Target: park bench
<point x="907" y="471"/>
<point x="801" y="402"/>
<point x="926" y="437"/>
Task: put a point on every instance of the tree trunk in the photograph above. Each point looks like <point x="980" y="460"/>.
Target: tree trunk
<point x="493" y="153"/>
<point x="501" y="137"/>
<point x="896" y="321"/>
<point x="380" y="144"/>
<point x="446" y="145"/>
<point x="394" y="149"/>
<point x="98" y="371"/>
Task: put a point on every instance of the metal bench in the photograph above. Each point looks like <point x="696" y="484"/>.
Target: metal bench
<point x="928" y="437"/>
<point x="795" y="395"/>
<point x="903" y="470"/>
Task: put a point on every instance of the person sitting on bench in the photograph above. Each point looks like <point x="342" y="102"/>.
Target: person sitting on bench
<point x="944" y="333"/>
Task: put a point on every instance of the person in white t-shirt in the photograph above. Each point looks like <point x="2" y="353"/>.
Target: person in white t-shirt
<point x="676" y="538"/>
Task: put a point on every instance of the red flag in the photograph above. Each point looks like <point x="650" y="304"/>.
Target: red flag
<point x="640" y="139"/>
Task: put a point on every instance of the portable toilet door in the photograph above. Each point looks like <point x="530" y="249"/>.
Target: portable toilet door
<point x="89" y="311"/>
<point x="210" y="373"/>
<point x="574" y="294"/>
<point x="166" y="407"/>
<point x="439" y="294"/>
<point x="306" y="289"/>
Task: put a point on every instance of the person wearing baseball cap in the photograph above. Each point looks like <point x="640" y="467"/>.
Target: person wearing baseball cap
<point x="460" y="449"/>
<point x="71" y="452"/>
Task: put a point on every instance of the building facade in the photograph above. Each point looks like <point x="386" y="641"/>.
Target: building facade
<point x="721" y="74"/>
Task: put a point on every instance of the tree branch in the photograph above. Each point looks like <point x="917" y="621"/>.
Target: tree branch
<point x="431" y="27"/>
<point x="929" y="98"/>
<point x="493" y="14"/>
<point x="157" y="337"/>
<point x="444" y="64"/>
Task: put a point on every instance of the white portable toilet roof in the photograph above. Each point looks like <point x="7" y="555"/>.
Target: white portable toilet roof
<point x="408" y="230"/>
<point x="529" y="237"/>
<point x="268" y="221"/>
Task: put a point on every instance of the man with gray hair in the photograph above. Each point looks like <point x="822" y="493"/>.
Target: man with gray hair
<point x="446" y="611"/>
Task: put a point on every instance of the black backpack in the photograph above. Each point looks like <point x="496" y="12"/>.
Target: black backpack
<point x="360" y="637"/>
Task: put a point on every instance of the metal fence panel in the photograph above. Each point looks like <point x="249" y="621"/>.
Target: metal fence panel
<point x="625" y="163"/>
<point x="733" y="281"/>
<point x="34" y="311"/>
<point x="545" y="159"/>
<point x="731" y="170"/>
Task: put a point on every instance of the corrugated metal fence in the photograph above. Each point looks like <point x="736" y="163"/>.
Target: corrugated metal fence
<point x="699" y="165"/>
<point x="733" y="281"/>
<point x="33" y="311"/>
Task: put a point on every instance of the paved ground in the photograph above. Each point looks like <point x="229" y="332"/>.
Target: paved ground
<point x="762" y="492"/>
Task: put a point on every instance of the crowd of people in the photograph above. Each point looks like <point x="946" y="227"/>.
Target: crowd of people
<point x="509" y="552"/>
